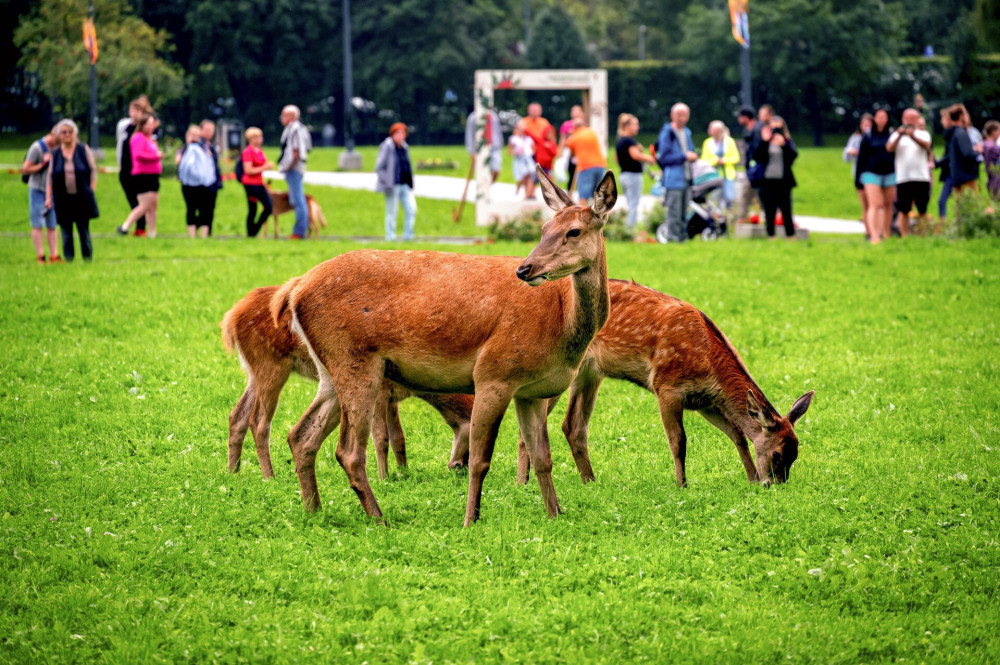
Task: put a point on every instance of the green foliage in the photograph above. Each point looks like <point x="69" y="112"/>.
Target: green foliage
<point x="131" y="57"/>
<point x="556" y="42"/>
<point x="976" y="216"/>
<point x="526" y="227"/>
<point x="124" y="540"/>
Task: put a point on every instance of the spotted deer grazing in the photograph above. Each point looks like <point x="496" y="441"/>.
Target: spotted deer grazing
<point x="675" y="351"/>
<point x="499" y="327"/>
<point x="269" y="353"/>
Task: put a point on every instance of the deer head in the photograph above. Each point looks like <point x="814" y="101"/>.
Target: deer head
<point x="776" y="445"/>
<point x="572" y="240"/>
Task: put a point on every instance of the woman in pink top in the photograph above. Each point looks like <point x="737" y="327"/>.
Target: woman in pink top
<point x="147" y="165"/>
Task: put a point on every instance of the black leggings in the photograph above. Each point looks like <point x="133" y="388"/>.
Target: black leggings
<point x="200" y="206"/>
<point x="133" y="200"/>
<point x="775" y="195"/>
<point x="83" y="228"/>
<point x="257" y="194"/>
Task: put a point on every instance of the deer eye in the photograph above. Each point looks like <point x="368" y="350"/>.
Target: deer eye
<point x="776" y="458"/>
<point x="573" y="233"/>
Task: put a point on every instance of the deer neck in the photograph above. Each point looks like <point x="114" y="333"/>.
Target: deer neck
<point x="590" y="306"/>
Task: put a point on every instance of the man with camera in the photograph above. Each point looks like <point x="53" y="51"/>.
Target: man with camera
<point x="912" y="147"/>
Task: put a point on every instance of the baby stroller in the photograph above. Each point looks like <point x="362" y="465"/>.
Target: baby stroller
<point x="705" y="215"/>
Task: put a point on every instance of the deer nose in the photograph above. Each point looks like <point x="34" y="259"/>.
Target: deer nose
<point x="523" y="271"/>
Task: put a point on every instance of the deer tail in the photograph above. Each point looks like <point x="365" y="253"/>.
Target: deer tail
<point x="319" y="214"/>
<point x="228" y="325"/>
<point x="282" y="300"/>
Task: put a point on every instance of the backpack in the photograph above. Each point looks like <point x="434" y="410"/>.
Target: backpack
<point x="25" y="177"/>
<point x="239" y="169"/>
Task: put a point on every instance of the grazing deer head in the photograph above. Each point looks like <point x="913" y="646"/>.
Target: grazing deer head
<point x="572" y="240"/>
<point x="776" y="446"/>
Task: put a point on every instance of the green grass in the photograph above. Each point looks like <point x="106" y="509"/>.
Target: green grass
<point x="124" y="540"/>
<point x="825" y="190"/>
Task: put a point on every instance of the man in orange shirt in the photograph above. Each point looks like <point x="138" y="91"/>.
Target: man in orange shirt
<point x="590" y="161"/>
<point x="537" y="128"/>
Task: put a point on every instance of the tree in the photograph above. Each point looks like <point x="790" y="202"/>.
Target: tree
<point x="130" y="61"/>
<point x="556" y="42"/>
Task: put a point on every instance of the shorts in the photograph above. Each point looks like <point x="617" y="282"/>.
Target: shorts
<point x="40" y="217"/>
<point x="496" y="160"/>
<point x="145" y="183"/>
<point x="914" y="193"/>
<point x="883" y="181"/>
<point x="586" y="181"/>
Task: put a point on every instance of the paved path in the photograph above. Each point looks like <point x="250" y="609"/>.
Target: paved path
<point x="449" y="188"/>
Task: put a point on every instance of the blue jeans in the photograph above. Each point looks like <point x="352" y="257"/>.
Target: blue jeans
<point x="586" y="181"/>
<point x="37" y="214"/>
<point x="297" y="199"/>
<point x="400" y="194"/>
<point x="632" y="184"/>
<point x="943" y="198"/>
<point x="728" y="191"/>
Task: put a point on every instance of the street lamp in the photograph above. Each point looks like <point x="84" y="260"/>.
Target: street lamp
<point x="348" y="160"/>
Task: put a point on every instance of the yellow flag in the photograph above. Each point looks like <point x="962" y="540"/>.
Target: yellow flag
<point x="90" y="39"/>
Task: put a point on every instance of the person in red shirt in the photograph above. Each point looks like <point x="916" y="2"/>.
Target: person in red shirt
<point x="545" y="150"/>
<point x="537" y="128"/>
<point x="254" y="164"/>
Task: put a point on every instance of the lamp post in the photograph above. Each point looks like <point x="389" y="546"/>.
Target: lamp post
<point x="642" y="42"/>
<point x="348" y="160"/>
<point x="94" y="127"/>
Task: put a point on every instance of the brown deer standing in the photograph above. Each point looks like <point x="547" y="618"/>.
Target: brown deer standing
<point x="434" y="321"/>
<point x="673" y="350"/>
<point x="269" y="353"/>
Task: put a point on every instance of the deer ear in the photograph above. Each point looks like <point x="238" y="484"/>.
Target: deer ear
<point x="606" y="195"/>
<point x="757" y="412"/>
<point x="800" y="407"/>
<point x="554" y="196"/>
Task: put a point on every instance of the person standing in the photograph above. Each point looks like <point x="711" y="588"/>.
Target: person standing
<point x="254" y="164"/>
<point x="197" y="175"/>
<point x="776" y="154"/>
<point x="720" y="150"/>
<point x="851" y="151"/>
<point x="747" y="119"/>
<point x="394" y="178"/>
<point x="537" y="128"/>
<point x="147" y="165"/>
<point x="991" y="158"/>
<point x="70" y="187"/>
<point x="674" y="154"/>
<point x="207" y="128"/>
<point x="295" y="147"/>
<point x="878" y="176"/>
<point x="631" y="156"/>
<point x="522" y="149"/>
<point x="963" y="158"/>
<point x="41" y="216"/>
<point x="944" y="165"/>
<point x="565" y="129"/>
<point x="123" y="152"/>
<point x="912" y="147"/>
<point x="492" y="135"/>
<point x="590" y="161"/>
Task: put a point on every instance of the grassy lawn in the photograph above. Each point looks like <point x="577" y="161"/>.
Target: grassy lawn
<point x="124" y="540"/>
<point x="825" y="190"/>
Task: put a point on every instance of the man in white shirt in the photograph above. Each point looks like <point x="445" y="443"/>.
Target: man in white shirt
<point x="913" y="173"/>
<point x="295" y="147"/>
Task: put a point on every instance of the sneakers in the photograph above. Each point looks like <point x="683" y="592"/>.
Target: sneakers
<point x="140" y="233"/>
<point x="55" y="259"/>
<point x="122" y="231"/>
<point x="40" y="260"/>
<point x="295" y="236"/>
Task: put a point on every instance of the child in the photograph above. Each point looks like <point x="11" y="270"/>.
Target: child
<point x="522" y="148"/>
<point x="991" y="157"/>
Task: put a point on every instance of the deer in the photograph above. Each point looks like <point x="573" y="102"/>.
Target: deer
<point x="269" y="353"/>
<point x="675" y="351"/>
<point x="501" y="328"/>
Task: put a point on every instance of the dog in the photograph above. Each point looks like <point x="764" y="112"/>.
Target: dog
<point x="280" y="205"/>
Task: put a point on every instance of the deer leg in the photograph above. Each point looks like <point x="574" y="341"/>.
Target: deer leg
<point x="457" y="412"/>
<point x="397" y="439"/>
<point x="531" y="417"/>
<point x="487" y="413"/>
<point x="460" y="446"/>
<point x="307" y="436"/>
<point x="380" y="432"/>
<point x="239" y="421"/>
<point x="523" y="459"/>
<point x="737" y="437"/>
<point x="672" y="414"/>
<point x="358" y="394"/>
<point x="576" y="424"/>
<point x="269" y="385"/>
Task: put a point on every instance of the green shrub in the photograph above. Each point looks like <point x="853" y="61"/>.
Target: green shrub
<point x="975" y="216"/>
<point x="652" y="219"/>
<point x="527" y="227"/>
